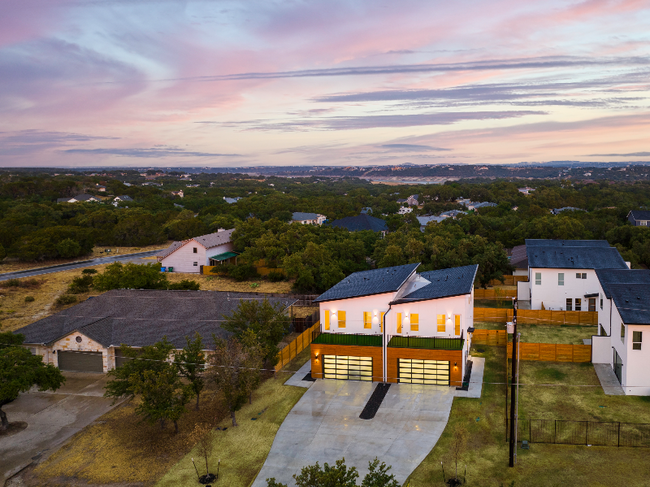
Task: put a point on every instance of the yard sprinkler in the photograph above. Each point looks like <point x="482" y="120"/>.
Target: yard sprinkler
<point x="197" y="470"/>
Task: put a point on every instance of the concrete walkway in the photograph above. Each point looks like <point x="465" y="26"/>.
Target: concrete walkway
<point x="608" y="380"/>
<point x="324" y="426"/>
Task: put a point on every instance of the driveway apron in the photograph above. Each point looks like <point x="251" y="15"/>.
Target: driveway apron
<point x="324" y="426"/>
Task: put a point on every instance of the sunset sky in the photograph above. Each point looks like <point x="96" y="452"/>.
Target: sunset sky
<point x="264" y="82"/>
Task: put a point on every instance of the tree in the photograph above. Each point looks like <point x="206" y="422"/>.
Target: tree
<point x="68" y="248"/>
<point x="340" y="475"/>
<point x="20" y="370"/>
<point x="3" y="252"/>
<point x="155" y="379"/>
<point x="235" y="369"/>
<point x="130" y="276"/>
<point x="191" y="363"/>
<point x="267" y="321"/>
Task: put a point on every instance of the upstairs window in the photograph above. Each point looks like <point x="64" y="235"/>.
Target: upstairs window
<point x="560" y="278"/>
<point x="195" y="250"/>
<point x="582" y="275"/>
<point x="415" y="322"/>
<point x="637" y="338"/>
<point x="367" y="319"/>
<point x="341" y="316"/>
<point x="538" y="279"/>
<point x="195" y="264"/>
<point x="457" y="325"/>
<point x="441" y="323"/>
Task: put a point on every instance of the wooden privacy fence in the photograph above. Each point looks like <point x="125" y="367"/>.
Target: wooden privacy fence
<point x="508" y="281"/>
<point x="288" y="353"/>
<point x="495" y="293"/>
<point x="553" y="352"/>
<point x="490" y="337"/>
<point x="535" y="316"/>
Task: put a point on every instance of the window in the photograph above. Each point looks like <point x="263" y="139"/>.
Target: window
<point x="601" y="301"/>
<point x="584" y="275"/>
<point x="194" y="250"/>
<point x="538" y="279"/>
<point x="578" y="275"/>
<point x="327" y="319"/>
<point x="457" y="325"/>
<point x="381" y="322"/>
<point x="622" y="332"/>
<point x="195" y="264"/>
<point x="637" y="337"/>
<point x="560" y="278"/>
<point x="569" y="305"/>
<point x="441" y="324"/>
<point x="341" y="316"/>
<point x="415" y="322"/>
<point x="367" y="319"/>
<point x="399" y="322"/>
<point x="578" y="304"/>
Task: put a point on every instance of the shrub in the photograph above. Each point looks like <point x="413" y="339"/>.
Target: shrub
<point x="276" y="276"/>
<point x="243" y="272"/>
<point x="68" y="248"/>
<point x="26" y="283"/>
<point x="65" y="299"/>
<point x="12" y="283"/>
<point x="29" y="299"/>
<point x="184" y="285"/>
<point x="255" y="285"/>
<point x="81" y="284"/>
<point x="89" y="271"/>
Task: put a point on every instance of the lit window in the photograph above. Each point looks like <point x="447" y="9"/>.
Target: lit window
<point x="415" y="322"/>
<point x="441" y="323"/>
<point x="569" y="306"/>
<point x="399" y="322"/>
<point x="637" y="338"/>
<point x="327" y="319"/>
<point x="341" y="316"/>
<point x="578" y="304"/>
<point x="560" y="278"/>
<point x="367" y="319"/>
<point x="538" y="279"/>
<point x="457" y="325"/>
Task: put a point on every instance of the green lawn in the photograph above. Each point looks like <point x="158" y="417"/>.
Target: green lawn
<point x="493" y="303"/>
<point x="243" y="450"/>
<point x="570" y="334"/>
<point x="549" y="390"/>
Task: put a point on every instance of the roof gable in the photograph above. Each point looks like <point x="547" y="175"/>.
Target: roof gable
<point x="640" y="214"/>
<point x="609" y="277"/>
<point x="573" y="254"/>
<point x="632" y="302"/>
<point x="366" y="283"/>
<point x="444" y="283"/>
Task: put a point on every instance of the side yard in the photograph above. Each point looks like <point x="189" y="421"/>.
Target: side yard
<point x="540" y="333"/>
<point x="549" y="390"/>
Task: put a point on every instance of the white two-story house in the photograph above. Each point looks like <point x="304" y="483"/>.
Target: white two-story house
<point x="623" y="317"/>
<point x="192" y="254"/>
<point x="396" y="325"/>
<point x="562" y="273"/>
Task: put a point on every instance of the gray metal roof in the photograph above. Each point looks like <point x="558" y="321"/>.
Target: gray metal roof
<point x="143" y="317"/>
<point x="300" y="216"/>
<point x="573" y="254"/>
<point x="444" y="283"/>
<point x="366" y="283"/>
<point x="609" y="277"/>
<point x="632" y="302"/>
<point x="361" y="222"/>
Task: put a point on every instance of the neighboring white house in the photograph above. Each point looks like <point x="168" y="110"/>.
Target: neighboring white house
<point x="411" y="200"/>
<point x="623" y="317"/>
<point x="180" y="193"/>
<point x="101" y="188"/>
<point x="308" y="218"/>
<point x="393" y="324"/>
<point x="403" y="210"/>
<point x="190" y="255"/>
<point x="80" y="198"/>
<point x="125" y="198"/>
<point x="230" y="201"/>
<point x="562" y="273"/>
<point x="526" y="191"/>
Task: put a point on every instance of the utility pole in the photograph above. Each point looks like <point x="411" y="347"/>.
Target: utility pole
<point x="513" y="389"/>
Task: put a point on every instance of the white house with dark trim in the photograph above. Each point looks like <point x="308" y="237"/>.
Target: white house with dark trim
<point x="623" y="320"/>
<point x="192" y="254"/>
<point x="396" y="325"/>
<point x="307" y="218"/>
<point x="562" y="273"/>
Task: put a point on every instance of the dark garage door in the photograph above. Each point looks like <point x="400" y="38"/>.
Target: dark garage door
<point x="81" y="361"/>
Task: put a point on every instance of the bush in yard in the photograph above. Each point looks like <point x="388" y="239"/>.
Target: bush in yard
<point x="29" y="299"/>
<point x="184" y="285"/>
<point x="80" y="285"/>
<point x="12" y="283"/>
<point x="130" y="276"/>
<point x="276" y="276"/>
<point x="242" y="272"/>
<point x="65" y="299"/>
<point x="89" y="271"/>
<point x="68" y="248"/>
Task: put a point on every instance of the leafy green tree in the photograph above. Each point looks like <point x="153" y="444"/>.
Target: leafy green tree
<point x="81" y="284"/>
<point x="130" y="276"/>
<point x="20" y="370"/>
<point x="269" y="322"/>
<point x="68" y="248"/>
<point x="378" y="475"/>
<point x="3" y="252"/>
<point x="234" y="369"/>
<point x="191" y="363"/>
<point x="137" y="229"/>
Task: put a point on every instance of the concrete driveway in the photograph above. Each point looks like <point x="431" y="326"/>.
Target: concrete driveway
<point x="324" y="426"/>
<point x="52" y="418"/>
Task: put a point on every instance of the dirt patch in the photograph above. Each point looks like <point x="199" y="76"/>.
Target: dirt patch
<point x="13" y="428"/>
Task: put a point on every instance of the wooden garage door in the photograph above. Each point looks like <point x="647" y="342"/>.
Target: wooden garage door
<point x="346" y="367"/>
<point x="81" y="361"/>
<point x="414" y="371"/>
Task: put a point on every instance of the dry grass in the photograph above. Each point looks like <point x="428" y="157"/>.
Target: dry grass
<point x="217" y="283"/>
<point x="543" y="465"/>
<point x="7" y="266"/>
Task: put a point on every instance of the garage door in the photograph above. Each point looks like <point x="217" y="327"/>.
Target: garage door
<point x="414" y="371"/>
<point x="81" y="361"/>
<point x="344" y="367"/>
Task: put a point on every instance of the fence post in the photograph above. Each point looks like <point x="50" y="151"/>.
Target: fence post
<point x="587" y="433"/>
<point x="619" y="434"/>
<point x="555" y="433"/>
<point x="530" y="430"/>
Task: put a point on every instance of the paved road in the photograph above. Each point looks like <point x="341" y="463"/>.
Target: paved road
<point x="52" y="418"/>
<point x="137" y="258"/>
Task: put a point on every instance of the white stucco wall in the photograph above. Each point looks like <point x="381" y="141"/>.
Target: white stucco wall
<point x="554" y="296"/>
<point x="184" y="258"/>
<point x="636" y="380"/>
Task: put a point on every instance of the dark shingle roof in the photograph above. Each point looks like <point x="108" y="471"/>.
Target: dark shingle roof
<point x="83" y="197"/>
<point x="632" y="302"/>
<point x="361" y="222"/>
<point x="444" y="283"/>
<point x="366" y="283"/>
<point x="143" y="317"/>
<point x="519" y="257"/>
<point x="608" y="277"/>
<point x="300" y="216"/>
<point x="640" y="214"/>
<point x="573" y="254"/>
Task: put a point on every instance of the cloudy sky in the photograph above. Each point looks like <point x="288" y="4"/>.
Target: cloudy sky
<point x="329" y="82"/>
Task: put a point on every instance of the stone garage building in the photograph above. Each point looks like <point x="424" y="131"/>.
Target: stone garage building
<point x="87" y="337"/>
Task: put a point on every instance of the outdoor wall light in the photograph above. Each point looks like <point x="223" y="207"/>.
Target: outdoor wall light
<point x="375" y="320"/>
<point x="317" y="355"/>
<point x="455" y="366"/>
